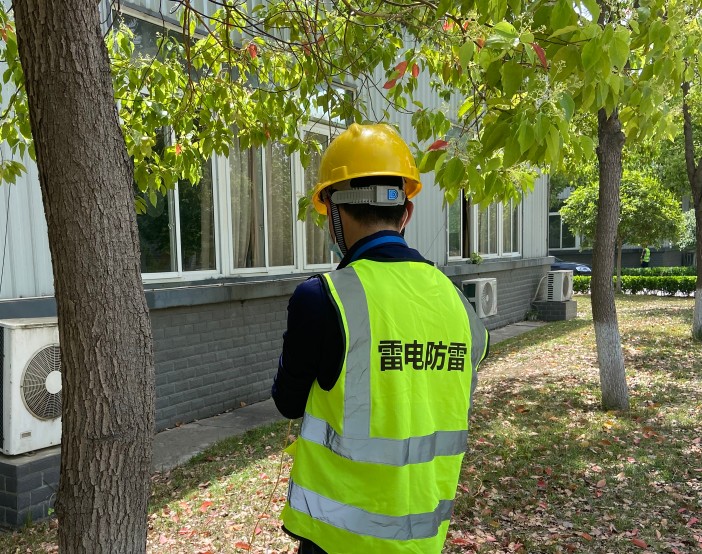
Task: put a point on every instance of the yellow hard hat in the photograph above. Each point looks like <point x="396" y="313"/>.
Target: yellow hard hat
<point x="363" y="151"/>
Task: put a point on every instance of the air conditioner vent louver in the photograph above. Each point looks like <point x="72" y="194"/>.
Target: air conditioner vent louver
<point x="482" y="294"/>
<point x="41" y="383"/>
<point x="560" y="285"/>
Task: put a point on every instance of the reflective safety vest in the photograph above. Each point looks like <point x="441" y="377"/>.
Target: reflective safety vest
<point x="378" y="457"/>
<point x="646" y="255"/>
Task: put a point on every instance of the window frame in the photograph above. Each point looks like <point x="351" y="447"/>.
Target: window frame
<point x="499" y="218"/>
<point x="223" y="221"/>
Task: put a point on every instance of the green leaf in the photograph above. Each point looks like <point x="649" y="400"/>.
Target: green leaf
<point x="465" y="53"/>
<point x="564" y="30"/>
<point x="566" y="102"/>
<point x="593" y="7"/>
<point x="592" y="51"/>
<point x="454" y="173"/>
<point x="619" y="47"/>
<point x="511" y="77"/>
<point x="475" y="180"/>
<point x="512" y="152"/>
<point x="562" y="14"/>
<point x="507" y="30"/>
<point x="493" y="136"/>
<point x="553" y="145"/>
<point x="466" y="107"/>
<point x="525" y="136"/>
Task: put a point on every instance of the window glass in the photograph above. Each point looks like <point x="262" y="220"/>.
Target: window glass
<point x="245" y="177"/>
<point x="261" y="209"/>
<point x="455" y="223"/>
<point x="197" y="223"/>
<point x="510" y="228"/>
<point x="279" y="191"/>
<point x="157" y="234"/>
<point x="316" y="239"/>
<point x="507" y="228"/>
<point x="568" y="238"/>
<point x="559" y="234"/>
<point x="516" y="226"/>
<point x="554" y="231"/>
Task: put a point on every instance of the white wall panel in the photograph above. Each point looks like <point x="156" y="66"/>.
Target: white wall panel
<point x="427" y="230"/>
<point x="535" y="219"/>
<point x="26" y="270"/>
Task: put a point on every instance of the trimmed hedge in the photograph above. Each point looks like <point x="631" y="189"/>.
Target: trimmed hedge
<point x="659" y="271"/>
<point x="635" y="284"/>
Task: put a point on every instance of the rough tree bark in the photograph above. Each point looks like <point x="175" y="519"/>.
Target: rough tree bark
<point x="694" y="175"/>
<point x="615" y="395"/>
<point x="105" y="333"/>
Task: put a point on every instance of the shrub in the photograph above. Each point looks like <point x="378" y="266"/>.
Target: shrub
<point x="658" y="271"/>
<point x="646" y="284"/>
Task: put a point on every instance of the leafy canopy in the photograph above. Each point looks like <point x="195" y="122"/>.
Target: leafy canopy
<point x="511" y="77"/>
<point x="649" y="214"/>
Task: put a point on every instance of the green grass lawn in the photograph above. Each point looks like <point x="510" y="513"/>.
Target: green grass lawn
<point x="546" y="471"/>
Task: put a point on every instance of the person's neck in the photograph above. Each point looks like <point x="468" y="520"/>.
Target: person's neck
<point x="356" y="232"/>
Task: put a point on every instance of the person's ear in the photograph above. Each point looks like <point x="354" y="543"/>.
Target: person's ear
<point x="409" y="210"/>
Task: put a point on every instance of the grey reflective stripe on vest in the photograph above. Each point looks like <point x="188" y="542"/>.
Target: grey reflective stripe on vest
<point x="394" y="452"/>
<point x="357" y="385"/>
<point x="361" y="522"/>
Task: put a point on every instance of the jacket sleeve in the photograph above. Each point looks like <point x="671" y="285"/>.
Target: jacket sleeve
<point x="312" y="348"/>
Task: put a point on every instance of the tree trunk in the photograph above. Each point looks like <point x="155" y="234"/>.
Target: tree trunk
<point x="104" y="328"/>
<point x="619" y="264"/>
<point x="615" y="395"/>
<point x="694" y="176"/>
<point x="697" y="315"/>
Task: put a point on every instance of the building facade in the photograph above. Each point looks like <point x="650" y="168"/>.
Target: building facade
<point x="220" y="260"/>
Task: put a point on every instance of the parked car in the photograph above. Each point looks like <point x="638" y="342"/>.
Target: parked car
<point x="577" y="267"/>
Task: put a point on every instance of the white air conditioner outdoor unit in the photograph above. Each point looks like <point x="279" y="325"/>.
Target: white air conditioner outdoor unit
<point x="482" y="294"/>
<point x="559" y="285"/>
<point x="31" y="385"/>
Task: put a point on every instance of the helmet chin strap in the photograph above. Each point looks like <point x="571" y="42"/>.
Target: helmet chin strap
<point x="338" y="229"/>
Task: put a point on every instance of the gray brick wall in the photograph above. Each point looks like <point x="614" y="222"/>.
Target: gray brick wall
<point x="556" y="311"/>
<point x="516" y="288"/>
<point x="212" y="357"/>
<point x="28" y="486"/>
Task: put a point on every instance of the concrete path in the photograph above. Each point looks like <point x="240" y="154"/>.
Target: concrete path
<point x="176" y="446"/>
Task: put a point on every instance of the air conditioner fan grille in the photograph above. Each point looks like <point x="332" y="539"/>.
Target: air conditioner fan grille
<point x="487" y="298"/>
<point x="40" y="385"/>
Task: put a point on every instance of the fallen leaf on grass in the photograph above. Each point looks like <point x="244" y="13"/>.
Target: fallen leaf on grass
<point x="205" y="505"/>
<point x="640" y="543"/>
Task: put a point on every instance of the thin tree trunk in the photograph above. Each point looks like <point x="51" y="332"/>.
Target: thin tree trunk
<point x="105" y="333"/>
<point x="694" y="175"/>
<point x="615" y="395"/>
<point x="619" y="263"/>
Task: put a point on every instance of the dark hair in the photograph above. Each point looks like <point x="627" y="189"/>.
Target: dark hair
<point x="371" y="215"/>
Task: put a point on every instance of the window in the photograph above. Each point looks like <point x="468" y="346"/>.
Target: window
<point x="317" y="241"/>
<point x="242" y="217"/>
<point x="178" y="233"/>
<point x="499" y="229"/>
<point x="496" y="230"/>
<point x="559" y="234"/>
<point x="458" y="236"/>
<point x="261" y="207"/>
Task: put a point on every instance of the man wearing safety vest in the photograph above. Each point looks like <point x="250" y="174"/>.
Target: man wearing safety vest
<point x="645" y="256"/>
<point x="380" y="357"/>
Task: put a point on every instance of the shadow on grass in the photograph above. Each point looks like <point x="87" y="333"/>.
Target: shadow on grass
<point x="543" y="453"/>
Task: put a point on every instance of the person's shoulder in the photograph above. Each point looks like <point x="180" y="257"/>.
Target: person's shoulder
<point x="310" y="288"/>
